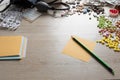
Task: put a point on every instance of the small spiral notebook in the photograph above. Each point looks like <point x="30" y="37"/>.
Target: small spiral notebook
<point x="12" y="47"/>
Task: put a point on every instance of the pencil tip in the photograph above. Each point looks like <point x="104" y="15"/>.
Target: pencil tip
<point x="112" y="72"/>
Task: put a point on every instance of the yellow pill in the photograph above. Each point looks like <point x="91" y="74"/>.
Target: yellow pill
<point x="107" y="45"/>
<point x="111" y="46"/>
<point x="115" y="44"/>
<point x="107" y="41"/>
<point x="102" y="42"/>
<point x="117" y="49"/>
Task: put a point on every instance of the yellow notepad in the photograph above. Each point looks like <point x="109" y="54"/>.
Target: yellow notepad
<point x="11" y="45"/>
<point x="74" y="50"/>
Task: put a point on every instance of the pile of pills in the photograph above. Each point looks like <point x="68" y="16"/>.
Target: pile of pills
<point x="110" y="33"/>
<point x="111" y="42"/>
<point x="78" y="8"/>
<point x="104" y="22"/>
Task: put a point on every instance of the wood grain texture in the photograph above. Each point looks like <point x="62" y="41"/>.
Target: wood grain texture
<point x="47" y="37"/>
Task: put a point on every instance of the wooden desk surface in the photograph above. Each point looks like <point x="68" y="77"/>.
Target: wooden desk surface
<point x="47" y="37"/>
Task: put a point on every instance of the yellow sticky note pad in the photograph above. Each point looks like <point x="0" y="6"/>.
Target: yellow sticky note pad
<point x="10" y="45"/>
<point x="74" y="50"/>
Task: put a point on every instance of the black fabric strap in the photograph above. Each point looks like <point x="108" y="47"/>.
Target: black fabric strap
<point x="67" y="7"/>
<point x="52" y="2"/>
<point x="1" y="1"/>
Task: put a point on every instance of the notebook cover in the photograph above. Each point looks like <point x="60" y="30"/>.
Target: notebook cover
<point x="10" y="45"/>
<point x="22" y="53"/>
